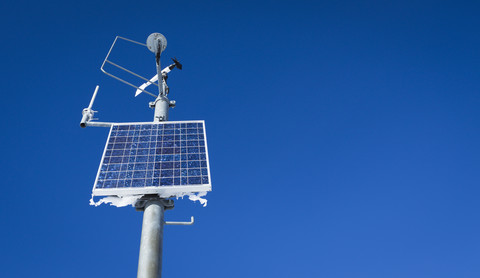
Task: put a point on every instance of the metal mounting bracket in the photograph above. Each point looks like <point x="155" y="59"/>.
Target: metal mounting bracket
<point x="192" y="220"/>
<point x="140" y="204"/>
<point x="88" y="113"/>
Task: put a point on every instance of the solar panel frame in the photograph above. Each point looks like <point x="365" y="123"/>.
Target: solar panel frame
<point x="162" y="190"/>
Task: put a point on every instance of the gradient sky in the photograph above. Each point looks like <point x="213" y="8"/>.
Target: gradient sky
<point x="343" y="137"/>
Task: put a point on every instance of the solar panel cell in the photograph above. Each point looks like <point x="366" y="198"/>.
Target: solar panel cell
<point x="140" y="158"/>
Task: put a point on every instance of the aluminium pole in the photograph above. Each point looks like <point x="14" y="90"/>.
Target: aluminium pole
<point x="151" y="243"/>
<point x="162" y="103"/>
<point x="150" y="257"/>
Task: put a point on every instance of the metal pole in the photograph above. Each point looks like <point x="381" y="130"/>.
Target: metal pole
<point x="93" y="97"/>
<point x="150" y="258"/>
<point x="162" y="103"/>
<point x="161" y="89"/>
<point x="151" y="244"/>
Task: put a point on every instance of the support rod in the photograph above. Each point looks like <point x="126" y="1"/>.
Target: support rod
<point x="192" y="220"/>
<point x="161" y="88"/>
<point x="99" y="124"/>
<point x="93" y="97"/>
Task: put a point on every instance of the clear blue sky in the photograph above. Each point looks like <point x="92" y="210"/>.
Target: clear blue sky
<point x="343" y="137"/>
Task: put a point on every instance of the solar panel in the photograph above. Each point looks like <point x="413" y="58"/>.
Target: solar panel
<point x="166" y="158"/>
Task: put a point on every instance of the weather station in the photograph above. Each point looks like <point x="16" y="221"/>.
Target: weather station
<point x="147" y="164"/>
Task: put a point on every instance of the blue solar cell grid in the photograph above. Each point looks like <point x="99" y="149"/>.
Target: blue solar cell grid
<point x="146" y="155"/>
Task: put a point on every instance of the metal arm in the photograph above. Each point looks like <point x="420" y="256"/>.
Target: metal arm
<point x="192" y="220"/>
<point x="88" y="114"/>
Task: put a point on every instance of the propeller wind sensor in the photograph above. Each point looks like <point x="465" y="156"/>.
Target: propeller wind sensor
<point x="164" y="72"/>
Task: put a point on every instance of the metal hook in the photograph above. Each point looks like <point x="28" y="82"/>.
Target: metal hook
<point x="192" y="220"/>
